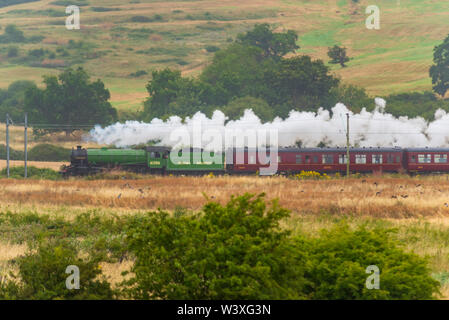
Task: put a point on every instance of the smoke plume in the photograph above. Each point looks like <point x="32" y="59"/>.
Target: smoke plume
<point x="308" y="129"/>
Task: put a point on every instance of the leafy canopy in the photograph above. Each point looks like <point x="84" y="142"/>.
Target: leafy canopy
<point x="338" y="55"/>
<point x="439" y="71"/>
<point x="237" y="251"/>
<point x="69" y="100"/>
<point x="274" y="45"/>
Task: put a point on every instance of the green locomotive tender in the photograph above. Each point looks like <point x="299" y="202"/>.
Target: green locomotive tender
<point x="149" y="160"/>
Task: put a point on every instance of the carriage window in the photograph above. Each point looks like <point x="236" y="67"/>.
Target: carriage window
<point x="157" y="155"/>
<point x="440" y="158"/>
<point x="152" y="155"/>
<point x="298" y="158"/>
<point x="377" y="158"/>
<point x="360" y="158"/>
<point x="328" y="159"/>
<point x="315" y="159"/>
<point x="390" y="158"/>
<point x="342" y="159"/>
<point x="307" y="159"/>
<point x="413" y="159"/>
<point x="424" y="158"/>
<point x="398" y="159"/>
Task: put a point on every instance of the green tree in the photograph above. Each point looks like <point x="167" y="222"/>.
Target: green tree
<point x="338" y="55"/>
<point x="13" y="52"/>
<point x="415" y="104"/>
<point x="172" y="94"/>
<point x="237" y="251"/>
<point x="12" y="34"/>
<point x="273" y="44"/>
<point x="69" y="101"/>
<point x="42" y="275"/>
<point x="340" y="256"/>
<point x="300" y="83"/>
<point x="439" y="71"/>
<point x="237" y="71"/>
<point x="236" y="108"/>
<point x="12" y="100"/>
<point x="353" y="97"/>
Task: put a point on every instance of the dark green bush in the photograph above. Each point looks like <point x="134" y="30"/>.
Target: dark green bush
<point x="340" y="256"/>
<point x="13" y="154"/>
<point x="42" y="276"/>
<point x="233" y="252"/>
<point x="32" y="172"/>
<point x="239" y="252"/>
<point x="48" y="152"/>
<point x="212" y="48"/>
<point x="13" y="52"/>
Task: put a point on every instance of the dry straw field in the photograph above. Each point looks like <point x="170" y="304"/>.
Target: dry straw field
<point x="386" y="197"/>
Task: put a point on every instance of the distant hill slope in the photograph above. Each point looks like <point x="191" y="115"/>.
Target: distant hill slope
<point x="119" y="38"/>
<point x="5" y="3"/>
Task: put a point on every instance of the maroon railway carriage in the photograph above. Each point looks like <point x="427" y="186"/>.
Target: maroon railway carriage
<point x="363" y="160"/>
<point x="247" y="160"/>
<point x="425" y="160"/>
<point x="295" y="160"/>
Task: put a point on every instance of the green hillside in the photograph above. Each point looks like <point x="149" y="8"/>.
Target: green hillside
<point x="119" y="38"/>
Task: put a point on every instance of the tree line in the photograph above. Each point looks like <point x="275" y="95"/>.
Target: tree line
<point x="258" y="70"/>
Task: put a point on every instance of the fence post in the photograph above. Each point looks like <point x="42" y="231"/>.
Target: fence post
<point x="7" y="145"/>
<point x="26" y="145"/>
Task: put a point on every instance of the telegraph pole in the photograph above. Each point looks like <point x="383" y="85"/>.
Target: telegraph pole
<point x="7" y="145"/>
<point x="26" y="145"/>
<point x="347" y="145"/>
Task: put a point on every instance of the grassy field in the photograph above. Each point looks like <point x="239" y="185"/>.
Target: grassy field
<point x="386" y="197"/>
<point x="35" y="207"/>
<point x="395" y="58"/>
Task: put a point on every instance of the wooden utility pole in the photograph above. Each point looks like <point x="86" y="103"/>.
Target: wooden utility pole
<point x="7" y="145"/>
<point x="26" y="145"/>
<point x="347" y="145"/>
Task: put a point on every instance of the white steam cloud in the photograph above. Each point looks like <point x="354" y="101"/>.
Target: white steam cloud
<point x="367" y="129"/>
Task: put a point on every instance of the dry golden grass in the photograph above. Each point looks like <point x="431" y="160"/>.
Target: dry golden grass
<point x="8" y="252"/>
<point x="37" y="164"/>
<point x="381" y="197"/>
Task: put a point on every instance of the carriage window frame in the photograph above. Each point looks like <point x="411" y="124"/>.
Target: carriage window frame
<point x="360" y="158"/>
<point x="440" y="157"/>
<point x="328" y="159"/>
<point x="390" y="158"/>
<point x="298" y="158"/>
<point x="314" y="159"/>
<point x="342" y="159"/>
<point x="377" y="159"/>
<point x="424" y="158"/>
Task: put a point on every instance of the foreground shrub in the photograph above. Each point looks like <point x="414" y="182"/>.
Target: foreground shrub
<point x="32" y="172"/>
<point x="42" y="276"/>
<point x="340" y="256"/>
<point x="237" y="251"/>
